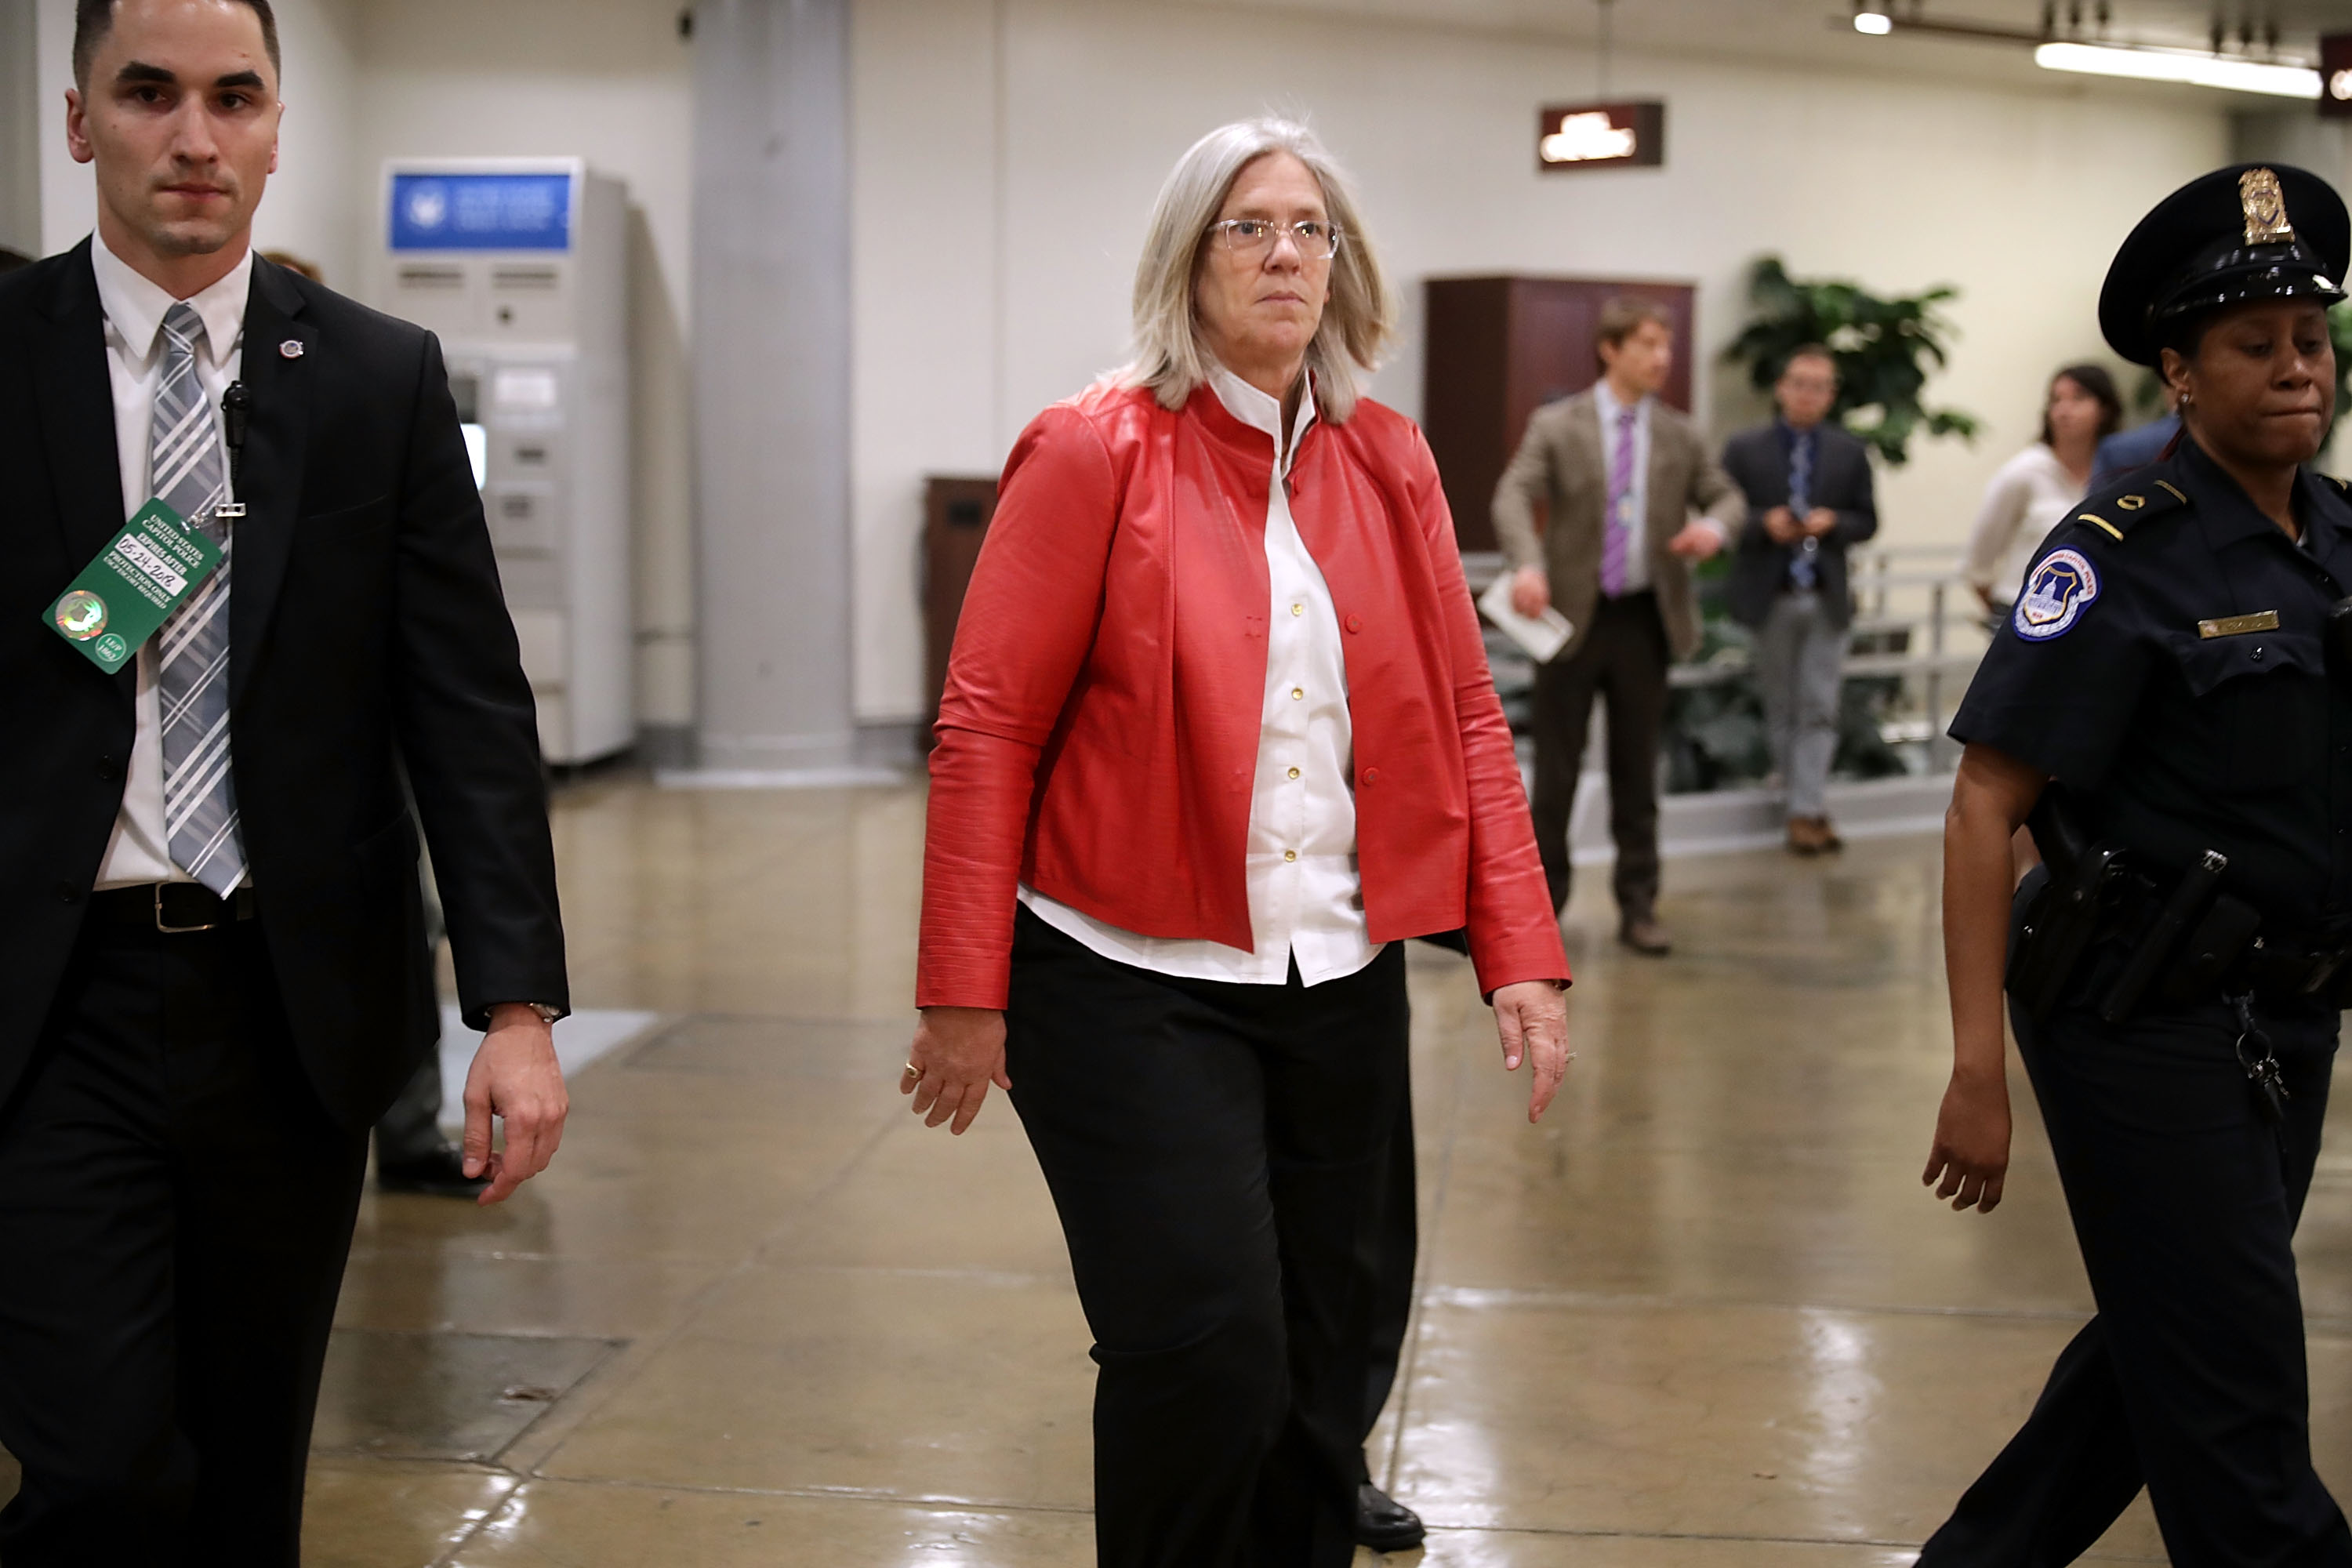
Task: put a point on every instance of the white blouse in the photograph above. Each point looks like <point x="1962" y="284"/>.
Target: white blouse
<point x="1306" y="896"/>
<point x="2029" y="495"/>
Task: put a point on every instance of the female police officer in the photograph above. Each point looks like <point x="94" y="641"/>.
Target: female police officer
<point x="2176" y="974"/>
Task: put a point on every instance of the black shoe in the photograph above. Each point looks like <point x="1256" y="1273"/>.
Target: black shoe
<point x="438" y="1174"/>
<point x="1383" y="1523"/>
<point x="1645" y="935"/>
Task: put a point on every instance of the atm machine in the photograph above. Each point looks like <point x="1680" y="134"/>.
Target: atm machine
<point x="519" y="264"/>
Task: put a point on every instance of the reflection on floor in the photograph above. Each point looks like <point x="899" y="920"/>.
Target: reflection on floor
<point x="755" y="1315"/>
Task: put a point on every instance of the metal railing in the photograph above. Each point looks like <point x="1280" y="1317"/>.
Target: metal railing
<point x="1915" y="620"/>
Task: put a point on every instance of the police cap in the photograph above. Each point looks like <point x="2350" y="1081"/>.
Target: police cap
<point x="2254" y="231"/>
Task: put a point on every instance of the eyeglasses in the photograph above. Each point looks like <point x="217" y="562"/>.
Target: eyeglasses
<point x="1255" y="237"/>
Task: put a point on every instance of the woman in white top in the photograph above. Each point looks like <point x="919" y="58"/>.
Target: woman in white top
<point x="2033" y="492"/>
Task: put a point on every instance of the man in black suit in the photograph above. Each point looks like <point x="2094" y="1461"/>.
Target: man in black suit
<point x="1808" y="493"/>
<point x="212" y="957"/>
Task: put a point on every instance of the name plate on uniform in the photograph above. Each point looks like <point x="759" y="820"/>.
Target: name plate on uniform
<point x="2239" y="626"/>
<point x="145" y="572"/>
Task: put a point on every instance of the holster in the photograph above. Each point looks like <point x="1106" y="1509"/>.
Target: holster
<point x="2060" y="923"/>
<point x="2080" y="883"/>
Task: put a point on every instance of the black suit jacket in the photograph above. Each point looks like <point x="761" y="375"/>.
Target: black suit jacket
<point x="368" y="640"/>
<point x="1758" y="465"/>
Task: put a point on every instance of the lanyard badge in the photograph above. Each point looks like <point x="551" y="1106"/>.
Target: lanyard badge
<point x="152" y="567"/>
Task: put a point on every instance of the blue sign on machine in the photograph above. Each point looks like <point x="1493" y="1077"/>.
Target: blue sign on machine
<point x="481" y="212"/>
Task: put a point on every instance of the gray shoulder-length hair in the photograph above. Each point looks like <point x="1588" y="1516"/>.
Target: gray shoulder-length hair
<point x="1358" y="322"/>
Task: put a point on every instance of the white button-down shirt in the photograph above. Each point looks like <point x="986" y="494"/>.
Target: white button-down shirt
<point x="1635" y="516"/>
<point x="140" y="849"/>
<point x="1305" y="895"/>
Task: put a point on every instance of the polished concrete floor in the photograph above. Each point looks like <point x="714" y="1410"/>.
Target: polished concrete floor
<point x="757" y="1315"/>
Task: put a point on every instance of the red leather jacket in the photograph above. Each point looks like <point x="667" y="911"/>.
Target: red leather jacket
<point x="1099" y="731"/>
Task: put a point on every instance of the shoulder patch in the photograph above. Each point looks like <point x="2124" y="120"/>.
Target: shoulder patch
<point x="2061" y="585"/>
<point x="2120" y="508"/>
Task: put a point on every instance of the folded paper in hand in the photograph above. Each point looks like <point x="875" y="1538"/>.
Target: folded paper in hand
<point x="1541" y="636"/>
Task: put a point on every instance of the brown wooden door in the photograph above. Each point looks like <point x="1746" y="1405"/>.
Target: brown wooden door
<point x="1501" y="347"/>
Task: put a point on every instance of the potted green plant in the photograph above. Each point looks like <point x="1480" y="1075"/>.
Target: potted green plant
<point x="1885" y="348"/>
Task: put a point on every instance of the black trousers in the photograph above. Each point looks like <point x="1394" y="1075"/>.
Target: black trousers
<point x="1624" y="659"/>
<point x="176" y="1208"/>
<point x="2192" y="1379"/>
<point x="1216" y="1153"/>
<point x="1386" y="1264"/>
<point x="411" y="1131"/>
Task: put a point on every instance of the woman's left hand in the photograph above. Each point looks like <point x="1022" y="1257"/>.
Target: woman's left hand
<point x="1531" y="1016"/>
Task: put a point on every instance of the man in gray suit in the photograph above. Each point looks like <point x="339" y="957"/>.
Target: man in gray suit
<point x="1810" y="499"/>
<point x="1620" y="475"/>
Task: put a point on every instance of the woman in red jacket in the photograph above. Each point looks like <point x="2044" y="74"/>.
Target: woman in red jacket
<point x="1218" y="736"/>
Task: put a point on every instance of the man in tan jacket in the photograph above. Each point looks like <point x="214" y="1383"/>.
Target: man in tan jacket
<point x="1621" y="476"/>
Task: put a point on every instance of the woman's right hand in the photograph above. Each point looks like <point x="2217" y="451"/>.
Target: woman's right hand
<point x="956" y="1053"/>
<point x="1531" y="1017"/>
<point x="1971" y="1148"/>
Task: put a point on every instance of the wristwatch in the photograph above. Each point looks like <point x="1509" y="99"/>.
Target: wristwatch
<point x="548" y="1011"/>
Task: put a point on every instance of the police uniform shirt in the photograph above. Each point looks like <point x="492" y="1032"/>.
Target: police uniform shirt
<point x="2166" y="661"/>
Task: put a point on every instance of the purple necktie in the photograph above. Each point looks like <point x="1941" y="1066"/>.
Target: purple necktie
<point x="1617" y="538"/>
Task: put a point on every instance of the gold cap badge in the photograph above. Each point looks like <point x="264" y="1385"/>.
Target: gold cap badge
<point x="2266" y="207"/>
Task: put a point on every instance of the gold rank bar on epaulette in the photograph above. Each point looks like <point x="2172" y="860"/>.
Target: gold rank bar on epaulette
<point x="2134" y="507"/>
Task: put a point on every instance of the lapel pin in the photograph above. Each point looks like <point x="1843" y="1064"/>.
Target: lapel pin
<point x="290" y="349"/>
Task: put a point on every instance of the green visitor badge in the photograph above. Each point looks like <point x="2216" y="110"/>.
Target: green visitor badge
<point x="138" y="580"/>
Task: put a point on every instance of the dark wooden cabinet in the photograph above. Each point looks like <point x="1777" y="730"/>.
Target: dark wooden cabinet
<point x="1501" y="347"/>
<point x="956" y="512"/>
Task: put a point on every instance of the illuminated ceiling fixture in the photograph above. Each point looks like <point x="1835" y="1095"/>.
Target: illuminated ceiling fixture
<point x="2241" y="71"/>
<point x="2181" y="66"/>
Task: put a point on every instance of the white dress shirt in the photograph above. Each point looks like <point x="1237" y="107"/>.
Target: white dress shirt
<point x="1637" y="500"/>
<point x="2029" y="495"/>
<point x="1305" y="895"/>
<point x="140" y="849"/>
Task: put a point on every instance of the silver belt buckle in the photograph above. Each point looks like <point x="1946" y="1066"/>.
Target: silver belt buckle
<point x="177" y="930"/>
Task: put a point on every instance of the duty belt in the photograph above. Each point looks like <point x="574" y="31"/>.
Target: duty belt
<point x="2185" y="940"/>
<point x="2279" y="968"/>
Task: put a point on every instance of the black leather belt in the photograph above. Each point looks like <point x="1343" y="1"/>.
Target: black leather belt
<point x="171" y="907"/>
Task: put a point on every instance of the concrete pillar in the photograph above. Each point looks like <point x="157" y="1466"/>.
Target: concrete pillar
<point x="772" y="367"/>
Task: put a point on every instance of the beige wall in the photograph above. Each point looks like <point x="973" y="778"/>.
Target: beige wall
<point x="610" y="81"/>
<point x="1007" y="152"/>
<point x="20" y="141"/>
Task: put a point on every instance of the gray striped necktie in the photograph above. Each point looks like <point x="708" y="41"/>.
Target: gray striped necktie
<point x="189" y="469"/>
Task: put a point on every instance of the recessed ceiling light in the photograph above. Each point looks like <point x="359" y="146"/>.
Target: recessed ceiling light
<point x="1877" y="24"/>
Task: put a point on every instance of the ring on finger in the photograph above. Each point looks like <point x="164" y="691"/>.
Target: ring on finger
<point x="913" y="1071"/>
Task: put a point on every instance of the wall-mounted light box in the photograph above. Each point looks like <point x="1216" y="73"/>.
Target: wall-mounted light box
<point x="2335" y="76"/>
<point x="1601" y="136"/>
